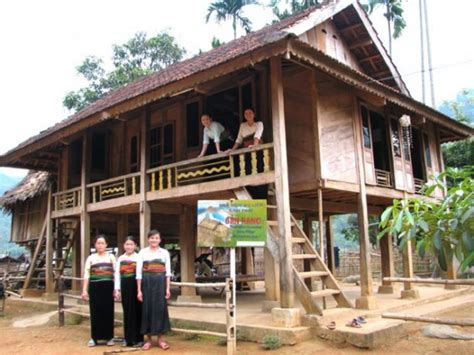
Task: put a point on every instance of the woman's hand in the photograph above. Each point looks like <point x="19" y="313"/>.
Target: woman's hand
<point x="140" y="296"/>
<point x="168" y="294"/>
<point x="85" y="295"/>
<point x="117" y="295"/>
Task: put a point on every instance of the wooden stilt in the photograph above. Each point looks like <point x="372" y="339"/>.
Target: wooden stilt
<point x="122" y="232"/>
<point x="85" y="217"/>
<point x="321" y="223"/>
<point x="49" y="248"/>
<point x="409" y="289"/>
<point x="282" y="194"/>
<point x="330" y="246"/>
<point x="145" y="211"/>
<point x="187" y="256"/>
<point x="451" y="275"/>
<point x="388" y="269"/>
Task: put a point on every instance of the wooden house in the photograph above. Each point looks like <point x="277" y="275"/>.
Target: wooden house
<point x="331" y="101"/>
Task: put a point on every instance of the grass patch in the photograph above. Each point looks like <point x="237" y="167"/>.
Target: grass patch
<point x="271" y="342"/>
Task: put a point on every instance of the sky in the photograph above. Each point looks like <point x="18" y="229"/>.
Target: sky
<point x="42" y="42"/>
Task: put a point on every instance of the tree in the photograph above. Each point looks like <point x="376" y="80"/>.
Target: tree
<point x="444" y="228"/>
<point x="231" y="10"/>
<point x="216" y="42"/>
<point x="393" y="14"/>
<point x="132" y="60"/>
<point x="295" y="6"/>
<point x="461" y="153"/>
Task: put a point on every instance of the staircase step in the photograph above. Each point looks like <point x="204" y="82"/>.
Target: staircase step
<point x="325" y="293"/>
<point x="272" y="206"/>
<point x="275" y="223"/>
<point x="304" y="256"/>
<point x="308" y="274"/>
<point x="298" y="240"/>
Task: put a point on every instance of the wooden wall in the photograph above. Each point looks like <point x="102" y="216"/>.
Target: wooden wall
<point x="336" y="116"/>
<point x="299" y="126"/>
<point x="28" y="218"/>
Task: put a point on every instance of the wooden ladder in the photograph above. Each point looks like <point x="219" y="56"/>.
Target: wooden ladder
<point x="313" y="265"/>
<point x="63" y="239"/>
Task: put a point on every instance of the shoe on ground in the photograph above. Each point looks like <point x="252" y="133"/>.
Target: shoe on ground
<point x="91" y="343"/>
<point x="110" y="342"/>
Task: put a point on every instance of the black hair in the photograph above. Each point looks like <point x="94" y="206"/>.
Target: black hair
<point x="153" y="232"/>
<point x="131" y="238"/>
<point x="208" y="115"/>
<point x="254" y="114"/>
<point x="101" y="236"/>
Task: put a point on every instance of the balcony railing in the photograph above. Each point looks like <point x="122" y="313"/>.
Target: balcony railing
<point x="67" y="199"/>
<point x="239" y="163"/>
<point x="419" y="183"/>
<point x="120" y="186"/>
<point x="383" y="178"/>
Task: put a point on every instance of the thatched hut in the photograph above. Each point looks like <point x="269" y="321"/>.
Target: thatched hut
<point x="27" y="203"/>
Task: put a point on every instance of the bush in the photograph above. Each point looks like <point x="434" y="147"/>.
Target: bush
<point x="271" y="342"/>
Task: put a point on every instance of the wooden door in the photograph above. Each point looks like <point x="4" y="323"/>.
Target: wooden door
<point x="367" y="146"/>
<point x="396" y="145"/>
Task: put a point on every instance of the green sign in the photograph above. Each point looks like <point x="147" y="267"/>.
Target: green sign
<point x="232" y="223"/>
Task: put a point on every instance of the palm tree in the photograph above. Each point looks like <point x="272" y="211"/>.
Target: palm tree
<point x="231" y="10"/>
<point x="393" y="14"/>
<point x="296" y="6"/>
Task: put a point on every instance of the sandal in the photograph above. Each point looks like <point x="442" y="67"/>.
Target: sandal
<point x="110" y="342"/>
<point x="354" y="324"/>
<point x="146" y="346"/>
<point x="331" y="326"/>
<point x="361" y="320"/>
<point x="164" y="345"/>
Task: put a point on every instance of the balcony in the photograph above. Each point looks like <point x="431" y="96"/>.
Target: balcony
<point x="219" y="172"/>
<point x="383" y="178"/>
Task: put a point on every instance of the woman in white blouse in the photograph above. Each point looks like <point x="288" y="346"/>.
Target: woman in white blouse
<point x="250" y="131"/>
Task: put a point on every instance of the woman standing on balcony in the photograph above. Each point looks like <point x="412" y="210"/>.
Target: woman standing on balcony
<point x="215" y="131"/>
<point x="98" y="288"/>
<point x="250" y="131"/>
<point x="126" y="289"/>
<point x="153" y="283"/>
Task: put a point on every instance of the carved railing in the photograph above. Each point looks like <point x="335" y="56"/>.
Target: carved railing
<point x="238" y="163"/>
<point x="383" y="178"/>
<point x="419" y="183"/>
<point x="120" y="186"/>
<point x="67" y="199"/>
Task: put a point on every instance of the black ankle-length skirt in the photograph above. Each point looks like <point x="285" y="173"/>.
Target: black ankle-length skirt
<point x="101" y="306"/>
<point x="155" y="318"/>
<point x="132" y="311"/>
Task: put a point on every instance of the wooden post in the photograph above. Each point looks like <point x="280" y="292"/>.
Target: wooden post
<point x="85" y="217"/>
<point x="367" y="299"/>
<point x="388" y="269"/>
<point x="282" y="194"/>
<point x="452" y="275"/>
<point x="61" y="301"/>
<point x="321" y="224"/>
<point x="409" y="290"/>
<point x="231" y="317"/>
<point x="122" y="232"/>
<point x="145" y="212"/>
<point x="330" y="246"/>
<point x="49" y="247"/>
<point x="76" y="264"/>
<point x="187" y="246"/>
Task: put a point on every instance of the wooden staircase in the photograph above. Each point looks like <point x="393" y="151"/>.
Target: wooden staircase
<point x="308" y="266"/>
<point x="64" y="235"/>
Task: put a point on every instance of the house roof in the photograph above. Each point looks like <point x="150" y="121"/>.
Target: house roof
<point x="35" y="183"/>
<point x="345" y="12"/>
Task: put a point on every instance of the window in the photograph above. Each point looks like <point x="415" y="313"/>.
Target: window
<point x="75" y="157"/>
<point x="192" y="124"/>
<point x="134" y="154"/>
<point x="396" y="144"/>
<point x="162" y="145"/>
<point x="247" y="96"/>
<point x="98" y="152"/>
<point x="427" y="150"/>
<point x="365" y="127"/>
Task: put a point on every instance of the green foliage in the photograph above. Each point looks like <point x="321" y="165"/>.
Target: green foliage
<point x="444" y="228"/>
<point x="216" y="42"/>
<point x="393" y="13"/>
<point x="350" y="231"/>
<point x="231" y="10"/>
<point x="132" y="60"/>
<point x="461" y="153"/>
<point x="292" y="7"/>
<point x="271" y="342"/>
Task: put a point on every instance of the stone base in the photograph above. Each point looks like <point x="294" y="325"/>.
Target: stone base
<point x="194" y="299"/>
<point x="410" y="294"/>
<point x="451" y="287"/>
<point x="286" y="317"/>
<point x="267" y="306"/>
<point x="387" y="289"/>
<point x="366" y="302"/>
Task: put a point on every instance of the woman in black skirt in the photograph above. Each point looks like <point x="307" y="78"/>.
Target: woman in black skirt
<point x="98" y="288"/>
<point x="153" y="282"/>
<point x="126" y="289"/>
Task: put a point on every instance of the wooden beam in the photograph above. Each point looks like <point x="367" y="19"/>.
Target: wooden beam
<point x="361" y="43"/>
<point x="306" y="204"/>
<point x="122" y="232"/>
<point x="114" y="203"/>
<point x="282" y="192"/>
<point x="188" y="250"/>
<point x="315" y="124"/>
<point x="145" y="211"/>
<point x="85" y="217"/>
<point x="49" y="247"/>
<point x="369" y="58"/>
<point x="463" y="322"/>
<point x="350" y="27"/>
<point x="388" y="265"/>
<point x="330" y="246"/>
<point x="321" y="224"/>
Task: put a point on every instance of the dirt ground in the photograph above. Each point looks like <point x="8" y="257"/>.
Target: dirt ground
<point x="37" y="332"/>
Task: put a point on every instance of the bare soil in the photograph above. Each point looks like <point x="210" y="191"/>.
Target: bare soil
<point x="39" y="337"/>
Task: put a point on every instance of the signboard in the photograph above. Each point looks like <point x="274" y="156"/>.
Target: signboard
<point x="232" y="223"/>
